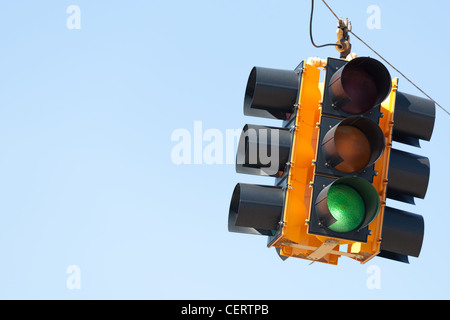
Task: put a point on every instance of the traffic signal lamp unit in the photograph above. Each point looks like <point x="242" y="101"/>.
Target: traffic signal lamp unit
<point x="333" y="162"/>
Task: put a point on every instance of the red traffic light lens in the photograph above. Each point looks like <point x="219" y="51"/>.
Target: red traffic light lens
<point x="359" y="86"/>
<point x="361" y="90"/>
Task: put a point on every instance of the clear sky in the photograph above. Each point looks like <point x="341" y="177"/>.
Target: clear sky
<point x="93" y="204"/>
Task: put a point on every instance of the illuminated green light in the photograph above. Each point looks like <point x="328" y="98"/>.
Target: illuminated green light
<point x="346" y="206"/>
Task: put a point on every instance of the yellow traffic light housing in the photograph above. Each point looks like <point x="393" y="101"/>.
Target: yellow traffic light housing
<point x="340" y="146"/>
<point x="333" y="162"/>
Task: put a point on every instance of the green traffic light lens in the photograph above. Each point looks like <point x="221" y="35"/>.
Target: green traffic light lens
<point x="346" y="206"/>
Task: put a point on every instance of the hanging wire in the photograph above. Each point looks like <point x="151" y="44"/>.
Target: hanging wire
<point x="311" y="33"/>
<point x="381" y="57"/>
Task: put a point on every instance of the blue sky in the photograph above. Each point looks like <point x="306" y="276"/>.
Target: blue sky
<point x="86" y="173"/>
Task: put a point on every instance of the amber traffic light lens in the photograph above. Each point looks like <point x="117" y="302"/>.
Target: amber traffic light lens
<point x="354" y="147"/>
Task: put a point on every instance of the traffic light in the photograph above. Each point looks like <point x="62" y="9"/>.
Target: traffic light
<point x="262" y="150"/>
<point x="345" y="201"/>
<point x="409" y="174"/>
<point x="333" y="162"/>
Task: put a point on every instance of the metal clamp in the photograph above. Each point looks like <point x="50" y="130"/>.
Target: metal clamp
<point x="345" y="47"/>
